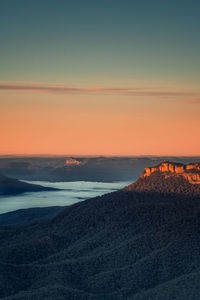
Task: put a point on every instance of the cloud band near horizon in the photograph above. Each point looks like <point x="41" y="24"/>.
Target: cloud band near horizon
<point x="184" y="96"/>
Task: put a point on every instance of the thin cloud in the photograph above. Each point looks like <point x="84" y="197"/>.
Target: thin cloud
<point x="64" y="89"/>
<point x="184" y="96"/>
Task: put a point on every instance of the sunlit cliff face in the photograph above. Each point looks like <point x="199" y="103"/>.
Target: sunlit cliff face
<point x="191" y="172"/>
<point x="72" y="162"/>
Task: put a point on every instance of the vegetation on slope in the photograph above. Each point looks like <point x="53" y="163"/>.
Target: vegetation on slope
<point x="135" y="244"/>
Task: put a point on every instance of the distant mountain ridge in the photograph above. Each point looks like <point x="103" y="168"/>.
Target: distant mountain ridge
<point x="73" y="168"/>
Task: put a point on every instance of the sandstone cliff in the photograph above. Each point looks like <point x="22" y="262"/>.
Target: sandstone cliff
<point x="167" y="178"/>
<point x="72" y="162"/>
<point x="191" y="172"/>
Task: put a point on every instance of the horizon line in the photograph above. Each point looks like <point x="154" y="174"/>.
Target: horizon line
<point x="99" y="155"/>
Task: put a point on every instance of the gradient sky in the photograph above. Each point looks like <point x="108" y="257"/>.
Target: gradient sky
<point x="100" y="77"/>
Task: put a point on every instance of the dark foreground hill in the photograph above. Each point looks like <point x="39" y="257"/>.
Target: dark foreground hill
<point x="132" y="244"/>
<point x="29" y="215"/>
<point x="11" y="186"/>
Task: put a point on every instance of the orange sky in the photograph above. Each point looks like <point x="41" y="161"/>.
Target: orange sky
<point x="116" y="123"/>
<point x="100" y="77"/>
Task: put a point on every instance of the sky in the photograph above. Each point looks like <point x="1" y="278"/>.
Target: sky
<point x="100" y="77"/>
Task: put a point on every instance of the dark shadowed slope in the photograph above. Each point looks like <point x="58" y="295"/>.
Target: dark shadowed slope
<point x="131" y="244"/>
<point x="29" y="215"/>
<point x="11" y="186"/>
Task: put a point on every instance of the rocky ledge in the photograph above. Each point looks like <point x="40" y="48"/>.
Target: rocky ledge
<point x="191" y="172"/>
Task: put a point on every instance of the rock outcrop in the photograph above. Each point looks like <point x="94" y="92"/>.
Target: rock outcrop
<point x="191" y="172"/>
<point x="72" y="162"/>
